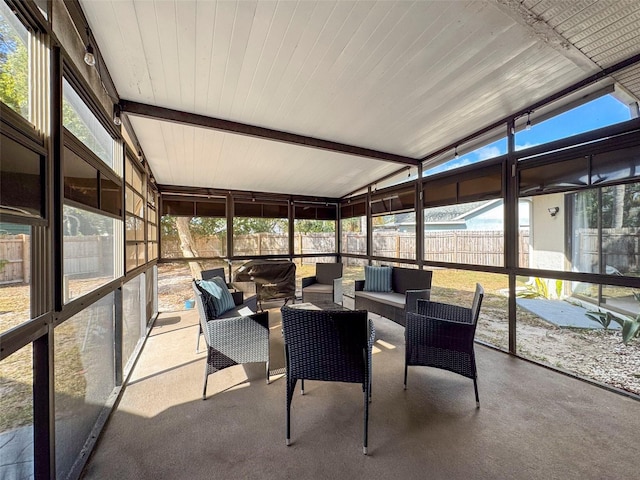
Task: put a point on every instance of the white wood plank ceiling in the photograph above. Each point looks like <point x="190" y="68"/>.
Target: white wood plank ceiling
<point x="401" y="77"/>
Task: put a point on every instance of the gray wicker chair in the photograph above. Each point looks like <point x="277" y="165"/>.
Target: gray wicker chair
<point x="239" y="298"/>
<point x="441" y="335"/>
<point x="325" y="285"/>
<point x="328" y="345"/>
<point x="233" y="341"/>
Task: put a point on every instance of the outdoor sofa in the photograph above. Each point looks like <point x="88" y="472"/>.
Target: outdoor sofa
<point x="399" y="296"/>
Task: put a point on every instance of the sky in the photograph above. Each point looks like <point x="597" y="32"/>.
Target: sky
<point x="598" y="113"/>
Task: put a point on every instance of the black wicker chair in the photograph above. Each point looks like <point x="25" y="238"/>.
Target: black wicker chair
<point x="441" y="335"/>
<point x="233" y="341"/>
<point x="329" y="345"/>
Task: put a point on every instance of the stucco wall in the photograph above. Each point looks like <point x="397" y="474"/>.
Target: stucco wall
<point x="547" y="239"/>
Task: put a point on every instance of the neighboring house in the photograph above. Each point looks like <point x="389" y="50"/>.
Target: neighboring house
<point x="483" y="215"/>
<point x="14" y="229"/>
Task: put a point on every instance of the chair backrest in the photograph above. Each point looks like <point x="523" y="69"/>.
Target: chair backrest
<point x="326" y="273"/>
<point x="201" y="309"/>
<point x="326" y="345"/>
<point x="477" y="302"/>
<point x="403" y="279"/>
<point x="214" y="272"/>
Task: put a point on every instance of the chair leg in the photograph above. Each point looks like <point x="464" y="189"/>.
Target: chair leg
<point x="302" y="387"/>
<point x="475" y="387"/>
<point x="206" y="376"/>
<point x="405" y="375"/>
<point x="291" y="386"/>
<point x="198" y="342"/>
<point x="366" y="421"/>
<point x="268" y="372"/>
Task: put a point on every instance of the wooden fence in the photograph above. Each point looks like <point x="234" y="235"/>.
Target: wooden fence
<point x="84" y="256"/>
<point x="15" y="265"/>
<point x="620" y="250"/>
<point x="478" y="247"/>
<point x="94" y="254"/>
<point x="87" y="256"/>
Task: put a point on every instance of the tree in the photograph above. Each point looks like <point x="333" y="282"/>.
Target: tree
<point x="352" y="225"/>
<point x="14" y="69"/>
<point x="246" y="226"/>
<point x="187" y="245"/>
<point x="78" y="222"/>
<point x="315" y="226"/>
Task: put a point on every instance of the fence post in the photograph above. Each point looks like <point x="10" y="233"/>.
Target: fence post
<point x="26" y="258"/>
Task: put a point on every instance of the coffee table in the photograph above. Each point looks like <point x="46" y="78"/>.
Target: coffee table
<point x="318" y="306"/>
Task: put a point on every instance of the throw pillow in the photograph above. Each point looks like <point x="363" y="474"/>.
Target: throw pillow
<point x="207" y="302"/>
<point x="220" y="294"/>
<point x="377" y="279"/>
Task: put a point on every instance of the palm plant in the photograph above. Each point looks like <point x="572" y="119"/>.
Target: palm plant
<point x="630" y="326"/>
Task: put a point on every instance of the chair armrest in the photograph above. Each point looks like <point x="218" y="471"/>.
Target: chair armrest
<point x="438" y="332"/>
<point x="262" y="318"/>
<point x="372" y="335"/>
<point x="444" y="311"/>
<point x="306" y="281"/>
<point x="359" y="285"/>
<point x="337" y="290"/>
<point x="238" y="298"/>
<point x="412" y="297"/>
<point x="370" y="342"/>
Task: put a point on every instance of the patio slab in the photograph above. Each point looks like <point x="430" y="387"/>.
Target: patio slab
<point x="561" y="313"/>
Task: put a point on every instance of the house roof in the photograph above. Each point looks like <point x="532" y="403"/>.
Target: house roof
<point x="456" y="213"/>
<point x="324" y="97"/>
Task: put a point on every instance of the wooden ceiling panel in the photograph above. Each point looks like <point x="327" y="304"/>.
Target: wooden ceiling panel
<point x="191" y="156"/>
<point x="407" y="78"/>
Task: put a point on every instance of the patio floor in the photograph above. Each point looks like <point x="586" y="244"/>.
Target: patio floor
<point x="533" y="423"/>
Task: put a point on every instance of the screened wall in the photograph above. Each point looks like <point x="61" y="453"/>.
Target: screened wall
<point x="90" y="241"/>
<point x="77" y="247"/>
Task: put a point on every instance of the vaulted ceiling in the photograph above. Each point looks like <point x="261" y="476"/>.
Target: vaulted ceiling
<point x="230" y="94"/>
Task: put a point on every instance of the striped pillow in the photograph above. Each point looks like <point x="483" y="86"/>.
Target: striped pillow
<point x="377" y="279"/>
<point x="220" y="295"/>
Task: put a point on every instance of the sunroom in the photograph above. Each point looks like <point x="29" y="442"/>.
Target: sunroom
<point x="493" y="142"/>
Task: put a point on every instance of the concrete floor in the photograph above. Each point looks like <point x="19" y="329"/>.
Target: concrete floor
<point x="533" y="423"/>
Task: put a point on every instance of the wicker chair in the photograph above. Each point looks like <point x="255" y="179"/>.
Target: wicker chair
<point x="325" y="285"/>
<point x="328" y="345"/>
<point x="441" y="336"/>
<point x="238" y="298"/>
<point x="233" y="341"/>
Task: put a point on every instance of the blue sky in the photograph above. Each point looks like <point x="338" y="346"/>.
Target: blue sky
<point x="601" y="112"/>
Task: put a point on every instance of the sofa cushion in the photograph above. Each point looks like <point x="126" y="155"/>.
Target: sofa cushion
<point x="318" y="288"/>
<point x="239" y="311"/>
<point x="377" y="279"/>
<point x="219" y="293"/>
<point x="389" y="298"/>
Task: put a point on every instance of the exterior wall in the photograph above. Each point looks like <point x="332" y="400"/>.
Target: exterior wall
<point x="547" y="238"/>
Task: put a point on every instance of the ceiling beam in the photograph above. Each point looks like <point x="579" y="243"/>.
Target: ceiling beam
<point x="176" y="116"/>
